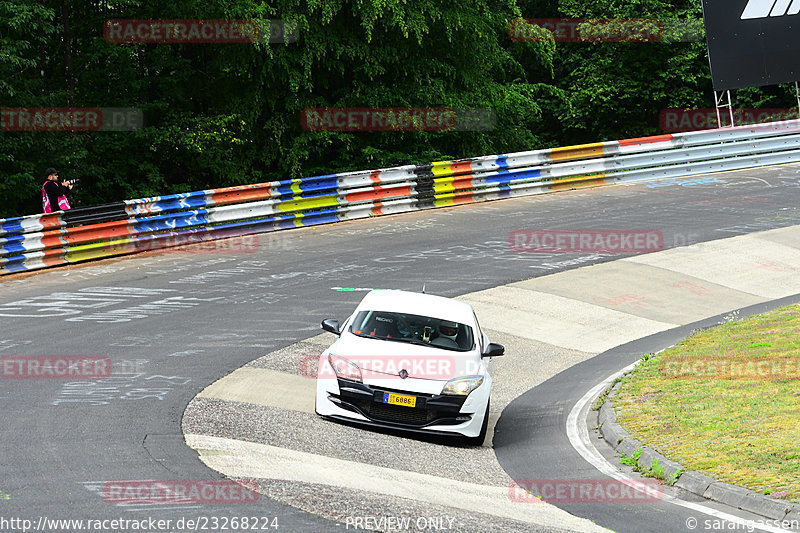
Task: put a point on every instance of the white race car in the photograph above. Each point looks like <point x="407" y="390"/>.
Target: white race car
<point x="410" y="361"/>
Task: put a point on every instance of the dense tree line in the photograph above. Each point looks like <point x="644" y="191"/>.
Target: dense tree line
<point x="228" y="114"/>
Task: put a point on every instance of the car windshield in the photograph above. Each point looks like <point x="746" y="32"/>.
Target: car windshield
<point x="414" y="329"/>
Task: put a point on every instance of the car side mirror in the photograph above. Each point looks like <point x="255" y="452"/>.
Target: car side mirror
<point x="494" y="350"/>
<point x="332" y="325"/>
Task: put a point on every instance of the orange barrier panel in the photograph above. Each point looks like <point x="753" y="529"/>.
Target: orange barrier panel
<point x="233" y="195"/>
<point x="378" y="193"/>
<point x="645" y="140"/>
<point x="97" y="232"/>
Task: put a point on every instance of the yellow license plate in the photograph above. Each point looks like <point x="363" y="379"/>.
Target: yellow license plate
<point x="399" y="399"/>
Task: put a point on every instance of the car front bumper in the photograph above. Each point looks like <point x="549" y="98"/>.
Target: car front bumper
<point x="433" y="413"/>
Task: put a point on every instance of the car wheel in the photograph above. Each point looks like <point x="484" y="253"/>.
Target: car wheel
<point x="478" y="441"/>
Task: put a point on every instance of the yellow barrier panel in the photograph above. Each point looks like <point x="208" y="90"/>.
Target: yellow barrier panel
<point x="308" y="203"/>
<point x="579" y="183"/>
<point x="582" y="151"/>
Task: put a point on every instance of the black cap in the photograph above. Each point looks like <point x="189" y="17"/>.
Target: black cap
<point x="50" y="171"/>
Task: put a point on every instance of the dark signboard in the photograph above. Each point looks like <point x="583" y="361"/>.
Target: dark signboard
<point x="752" y="42"/>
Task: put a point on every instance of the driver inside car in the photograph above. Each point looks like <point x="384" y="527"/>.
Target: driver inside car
<point x="448" y="331"/>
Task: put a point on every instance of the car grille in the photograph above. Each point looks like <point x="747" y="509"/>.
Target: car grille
<point x="430" y="410"/>
<point x="398" y="413"/>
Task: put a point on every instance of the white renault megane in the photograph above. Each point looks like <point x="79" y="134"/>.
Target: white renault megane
<point x="410" y="361"/>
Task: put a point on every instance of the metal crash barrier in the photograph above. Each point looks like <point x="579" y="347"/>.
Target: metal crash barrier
<point x="38" y="241"/>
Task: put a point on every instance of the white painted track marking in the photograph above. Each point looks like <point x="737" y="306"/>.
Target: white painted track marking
<point x="578" y="435"/>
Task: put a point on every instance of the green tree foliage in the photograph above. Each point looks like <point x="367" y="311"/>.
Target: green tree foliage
<point x="616" y="90"/>
<point x="229" y="114"/>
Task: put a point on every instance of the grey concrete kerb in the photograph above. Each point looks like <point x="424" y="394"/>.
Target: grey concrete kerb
<point x="689" y="480"/>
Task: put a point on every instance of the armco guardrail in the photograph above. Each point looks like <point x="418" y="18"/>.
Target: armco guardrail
<point x="39" y="241"/>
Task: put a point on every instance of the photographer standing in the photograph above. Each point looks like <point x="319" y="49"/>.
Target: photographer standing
<point x="54" y="194"/>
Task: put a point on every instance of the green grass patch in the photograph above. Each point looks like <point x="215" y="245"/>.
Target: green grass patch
<point x="655" y="470"/>
<point x="631" y="460"/>
<point x="603" y="397"/>
<point x="725" y="401"/>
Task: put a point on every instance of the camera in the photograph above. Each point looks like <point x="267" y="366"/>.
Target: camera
<point x="71" y="182"/>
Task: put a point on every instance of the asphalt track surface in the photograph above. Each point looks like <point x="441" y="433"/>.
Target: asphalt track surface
<point x="172" y="323"/>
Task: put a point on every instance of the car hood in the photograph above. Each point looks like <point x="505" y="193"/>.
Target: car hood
<point x="382" y="362"/>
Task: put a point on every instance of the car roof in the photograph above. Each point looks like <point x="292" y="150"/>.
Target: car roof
<point x="417" y="304"/>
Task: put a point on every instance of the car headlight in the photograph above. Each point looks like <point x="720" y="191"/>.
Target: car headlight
<point x="462" y="386"/>
<point x="344" y="369"/>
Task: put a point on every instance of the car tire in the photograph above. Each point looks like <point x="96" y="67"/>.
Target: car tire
<point x="478" y="441"/>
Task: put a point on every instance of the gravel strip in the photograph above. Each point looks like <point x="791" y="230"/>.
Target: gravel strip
<point x="309" y="433"/>
<point x="526" y="364"/>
